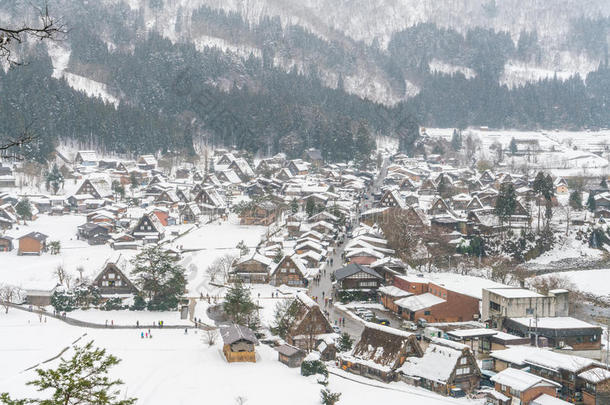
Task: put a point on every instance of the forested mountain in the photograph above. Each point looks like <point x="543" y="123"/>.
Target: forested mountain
<point x="272" y="76"/>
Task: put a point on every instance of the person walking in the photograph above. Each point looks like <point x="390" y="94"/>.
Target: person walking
<point x="142" y="335"/>
<point x="137" y="324"/>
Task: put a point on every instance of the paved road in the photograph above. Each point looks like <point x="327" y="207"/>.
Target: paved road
<point x="323" y="288"/>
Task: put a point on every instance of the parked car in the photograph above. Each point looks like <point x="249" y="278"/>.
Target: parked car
<point x="421" y="322"/>
<point x="409" y="325"/>
<point x="383" y="321"/>
<point x="336" y="329"/>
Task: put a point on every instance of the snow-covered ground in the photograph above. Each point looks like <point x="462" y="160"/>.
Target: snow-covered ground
<point x="60" y="57"/>
<point x="591" y="281"/>
<point x="564" y="153"/>
<point x="128" y="318"/>
<point x="439" y="66"/>
<point x="36" y="272"/>
<point x="174" y="368"/>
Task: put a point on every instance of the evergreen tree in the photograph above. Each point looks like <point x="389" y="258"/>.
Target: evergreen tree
<point x="159" y="277"/>
<point x="538" y="187"/>
<point x="24" y="209"/>
<point x="294" y="206"/>
<point x="118" y="189"/>
<point x="83" y="379"/>
<point x="603" y="184"/>
<point x="456" y="140"/>
<point x="54" y="179"/>
<point x="591" y="204"/>
<point x="506" y="202"/>
<point x="345" y="343"/>
<point x="238" y="305"/>
<point x="310" y="206"/>
<point x="513" y="146"/>
<point x="576" y="200"/>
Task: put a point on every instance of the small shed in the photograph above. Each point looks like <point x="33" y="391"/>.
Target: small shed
<point x="238" y="343"/>
<point x="6" y="243"/>
<point x="290" y="355"/>
<point x="32" y="243"/>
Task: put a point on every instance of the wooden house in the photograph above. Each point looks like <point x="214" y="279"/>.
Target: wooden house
<point x="253" y="268"/>
<point x="32" y="243"/>
<point x="290" y="271"/>
<point x="380" y="351"/>
<point x="148" y="227"/>
<point x="444" y="367"/>
<point x="97" y="188"/>
<point x="238" y="343"/>
<point x="595" y="386"/>
<point x="210" y="201"/>
<point x="147" y="162"/>
<point x="307" y="324"/>
<point x="392" y="198"/>
<point x="357" y="277"/>
<point x="290" y="355"/>
<point x="112" y="278"/>
<point x="190" y="213"/>
<point x="264" y="213"/>
<point x="523" y="387"/>
<point x="86" y="158"/>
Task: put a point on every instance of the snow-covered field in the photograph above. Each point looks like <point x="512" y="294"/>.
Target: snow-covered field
<point x="564" y="153"/>
<point x="174" y="368"/>
<point x="592" y="281"/>
<point x="36" y="272"/>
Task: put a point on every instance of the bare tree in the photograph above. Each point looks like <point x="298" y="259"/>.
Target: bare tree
<point x="49" y="28"/>
<point x="9" y="295"/>
<point x="63" y="277"/>
<point x="220" y="268"/>
<point x="240" y="400"/>
<point x="210" y="337"/>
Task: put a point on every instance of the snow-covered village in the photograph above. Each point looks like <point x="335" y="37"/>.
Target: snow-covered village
<point x="304" y="202"/>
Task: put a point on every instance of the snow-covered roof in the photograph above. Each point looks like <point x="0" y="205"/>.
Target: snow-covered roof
<point x="553" y="323"/>
<point x="437" y="364"/>
<point x="393" y="291"/>
<point x="416" y="303"/>
<point x="595" y="375"/>
<point x="472" y="333"/>
<point x="546" y="399"/>
<point x="521" y="380"/>
<point x="509" y="292"/>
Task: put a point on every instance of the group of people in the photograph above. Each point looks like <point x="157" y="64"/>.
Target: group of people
<point x="146" y="335"/>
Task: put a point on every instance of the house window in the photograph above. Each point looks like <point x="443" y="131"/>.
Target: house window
<point x="529" y="311"/>
<point x="111" y="276"/>
<point x="463" y="360"/>
<point x="426" y="312"/>
<point x="494" y="306"/>
<point x="367" y="284"/>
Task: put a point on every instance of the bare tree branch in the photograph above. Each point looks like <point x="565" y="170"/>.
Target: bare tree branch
<point x="8" y="146"/>
<point x="49" y="29"/>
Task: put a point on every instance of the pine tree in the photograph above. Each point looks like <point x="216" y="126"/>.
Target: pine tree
<point x="159" y="277"/>
<point x="576" y="200"/>
<point x="310" y="206"/>
<point x="603" y="184"/>
<point x="24" y="209"/>
<point x="538" y="187"/>
<point x="506" y="202"/>
<point x="54" y="179"/>
<point x="345" y="343"/>
<point x="238" y="305"/>
<point x="83" y="379"/>
<point x="456" y="140"/>
<point x="513" y="146"/>
<point x="591" y="204"/>
<point x="294" y="206"/>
